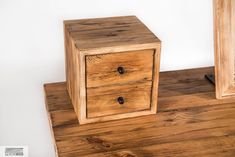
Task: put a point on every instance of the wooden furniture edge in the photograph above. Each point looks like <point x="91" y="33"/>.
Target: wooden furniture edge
<point x="49" y="120"/>
<point x="217" y="53"/>
<point x="120" y="48"/>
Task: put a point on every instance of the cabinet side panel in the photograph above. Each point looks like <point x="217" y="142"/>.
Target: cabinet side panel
<point x="67" y="46"/>
<point x="72" y="69"/>
<point x="75" y="79"/>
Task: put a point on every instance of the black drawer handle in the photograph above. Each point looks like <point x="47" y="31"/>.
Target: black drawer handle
<point x="121" y="100"/>
<point x="121" y="70"/>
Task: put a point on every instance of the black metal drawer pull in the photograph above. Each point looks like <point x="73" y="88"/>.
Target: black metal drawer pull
<point x="121" y="100"/>
<point x="121" y="70"/>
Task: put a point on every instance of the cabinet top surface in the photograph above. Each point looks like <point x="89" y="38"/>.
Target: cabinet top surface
<point x="109" y="32"/>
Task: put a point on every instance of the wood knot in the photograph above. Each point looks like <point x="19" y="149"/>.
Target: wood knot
<point x="99" y="142"/>
<point x="127" y="154"/>
<point x="94" y="58"/>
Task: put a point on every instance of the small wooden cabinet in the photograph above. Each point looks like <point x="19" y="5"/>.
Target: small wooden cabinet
<point x="112" y="68"/>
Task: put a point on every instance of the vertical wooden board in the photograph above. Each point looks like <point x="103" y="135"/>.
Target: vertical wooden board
<point x="233" y="35"/>
<point x="72" y="73"/>
<point x="224" y="19"/>
<point x="82" y="89"/>
<point x="155" y="81"/>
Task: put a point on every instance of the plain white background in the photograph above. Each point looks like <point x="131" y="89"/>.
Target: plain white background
<point x="32" y="53"/>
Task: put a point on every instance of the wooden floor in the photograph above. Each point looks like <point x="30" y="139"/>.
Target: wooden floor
<point x="190" y="122"/>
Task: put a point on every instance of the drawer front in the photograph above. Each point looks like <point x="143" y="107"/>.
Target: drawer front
<point x="119" y="68"/>
<point x="111" y="100"/>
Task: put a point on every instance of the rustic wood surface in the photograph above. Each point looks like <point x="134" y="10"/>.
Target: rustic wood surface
<point x="102" y="101"/>
<point x="72" y="73"/>
<point x="190" y="122"/>
<point x="224" y="26"/>
<point x="101" y="70"/>
<point x="109" y="32"/>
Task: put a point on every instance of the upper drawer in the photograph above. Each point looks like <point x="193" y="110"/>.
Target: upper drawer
<point x="119" y="68"/>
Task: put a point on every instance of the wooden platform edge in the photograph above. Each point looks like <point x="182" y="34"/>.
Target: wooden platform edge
<point x="50" y="121"/>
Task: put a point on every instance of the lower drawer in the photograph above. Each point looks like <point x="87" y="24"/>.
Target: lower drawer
<point x="118" y="99"/>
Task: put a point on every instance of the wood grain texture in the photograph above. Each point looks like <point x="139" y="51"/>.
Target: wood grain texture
<point x="95" y="48"/>
<point x="190" y="122"/>
<point x="101" y="70"/>
<point x="72" y="72"/>
<point x="109" y="32"/>
<point x="224" y="26"/>
<point x="102" y="101"/>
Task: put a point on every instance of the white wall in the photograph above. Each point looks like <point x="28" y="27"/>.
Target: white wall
<point x="32" y="52"/>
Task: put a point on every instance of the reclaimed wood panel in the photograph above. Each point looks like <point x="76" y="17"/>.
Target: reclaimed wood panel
<point x="102" y="101"/>
<point x="109" y="32"/>
<point x="224" y="26"/>
<point x="72" y="74"/>
<point x="102" y="70"/>
<point x="190" y="122"/>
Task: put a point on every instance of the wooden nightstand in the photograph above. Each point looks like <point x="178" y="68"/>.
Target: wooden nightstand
<point x="112" y="68"/>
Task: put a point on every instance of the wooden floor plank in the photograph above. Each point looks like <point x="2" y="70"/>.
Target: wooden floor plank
<point x="190" y="122"/>
<point x="211" y="147"/>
